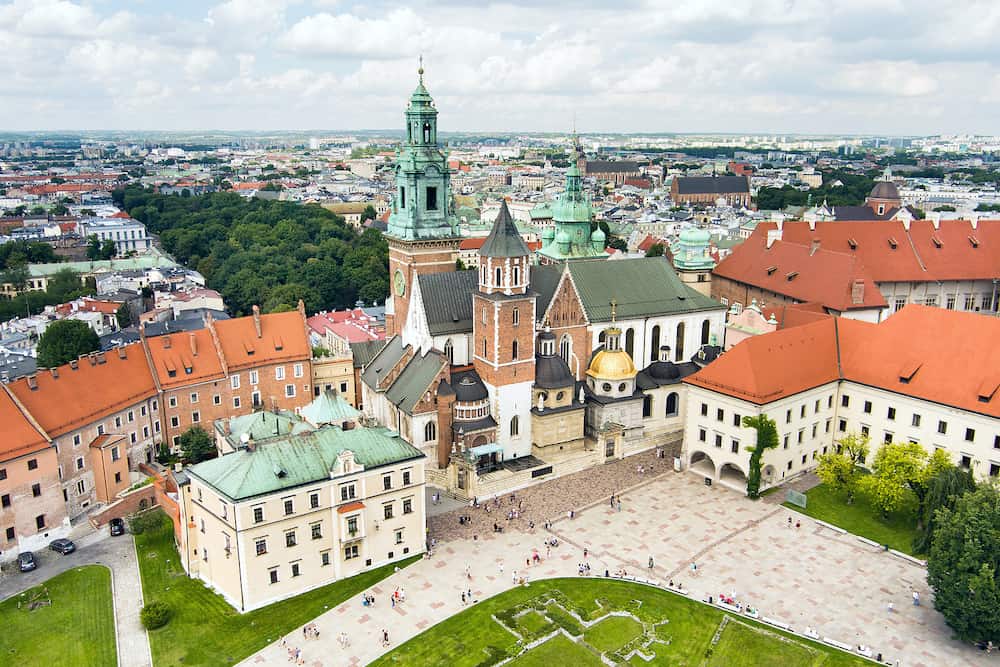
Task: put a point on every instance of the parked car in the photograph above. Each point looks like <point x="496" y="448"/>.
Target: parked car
<point x="117" y="526"/>
<point x="26" y="561"/>
<point x="63" y="546"/>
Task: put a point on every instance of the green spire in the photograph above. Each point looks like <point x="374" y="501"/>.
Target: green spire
<point x="572" y="215"/>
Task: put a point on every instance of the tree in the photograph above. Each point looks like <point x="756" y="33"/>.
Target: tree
<point x="196" y="445"/>
<point x="369" y="213"/>
<point x="88" y="212"/>
<point x="64" y="341"/>
<point x="59" y="209"/>
<point x="964" y="563"/>
<point x="108" y="249"/>
<point x="899" y="466"/>
<point x="655" y="250"/>
<point x="944" y="209"/>
<point x="767" y="438"/>
<point x="944" y="490"/>
<point x="124" y="316"/>
<point x="93" y="248"/>
<point x="460" y="265"/>
<point x="17" y="276"/>
<point x="64" y="285"/>
<point x="840" y="470"/>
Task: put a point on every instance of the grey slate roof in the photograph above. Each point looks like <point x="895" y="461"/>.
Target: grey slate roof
<point x="544" y="280"/>
<point x="611" y="167"/>
<point x="504" y="239"/>
<point x="551" y="372"/>
<point x="468" y="387"/>
<point x="701" y="185"/>
<point x="862" y="213"/>
<point x="383" y="362"/>
<point x="407" y="390"/>
<point x="363" y="352"/>
<point x="447" y="299"/>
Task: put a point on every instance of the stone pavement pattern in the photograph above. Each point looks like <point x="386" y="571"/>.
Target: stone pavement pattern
<point x="810" y="576"/>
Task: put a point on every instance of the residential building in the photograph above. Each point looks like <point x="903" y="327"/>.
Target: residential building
<point x="128" y="235"/>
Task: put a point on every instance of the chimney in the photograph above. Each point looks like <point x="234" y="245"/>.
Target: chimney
<point x="858" y="291"/>
<point x="92" y="358"/>
<point x="772" y="236"/>
<point x="32" y="383"/>
<point x="166" y="342"/>
<point x="55" y="372"/>
<point x="812" y="224"/>
<point x="74" y="364"/>
<point x="122" y="354"/>
<point x="906" y="224"/>
<point x="779" y="224"/>
<point x="974" y="219"/>
<point x="814" y="248"/>
<point x="935" y="219"/>
<point x="101" y="358"/>
<point x="256" y="320"/>
<point x="194" y="344"/>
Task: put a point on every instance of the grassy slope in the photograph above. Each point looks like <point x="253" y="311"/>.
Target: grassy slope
<point x="78" y="629"/>
<point x="204" y="629"/>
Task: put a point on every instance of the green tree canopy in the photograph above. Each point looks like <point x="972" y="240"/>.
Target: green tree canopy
<point x="944" y="490"/>
<point x="655" y="250"/>
<point x="899" y="466"/>
<point x="964" y="564"/>
<point x="64" y="341"/>
<point x="196" y="445"/>
<point x="767" y="438"/>
<point x="123" y="315"/>
<point x="840" y="469"/>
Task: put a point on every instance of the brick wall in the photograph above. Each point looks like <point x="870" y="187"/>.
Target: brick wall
<point x="738" y="292"/>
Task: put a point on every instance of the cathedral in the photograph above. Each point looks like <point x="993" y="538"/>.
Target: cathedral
<point x="532" y="365"/>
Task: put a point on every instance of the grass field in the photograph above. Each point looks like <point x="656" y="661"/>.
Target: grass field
<point x="77" y="629"/>
<point x="861" y="518"/>
<point x="204" y="629"/>
<point x="685" y="628"/>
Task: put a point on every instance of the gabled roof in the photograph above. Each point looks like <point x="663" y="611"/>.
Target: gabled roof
<point x="365" y="351"/>
<point x="382" y="363"/>
<point x="611" y="166"/>
<point x="700" y="185"/>
<point x="185" y="358"/>
<point x="447" y="299"/>
<point x="295" y="460"/>
<point x="415" y="380"/>
<point x="504" y="239"/>
<point x="100" y="385"/>
<point x="283" y="338"/>
<point x="329" y="408"/>
<point x="18" y="436"/>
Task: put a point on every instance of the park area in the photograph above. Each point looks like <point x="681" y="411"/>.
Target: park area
<point x="203" y="628"/>
<point x="577" y="621"/>
<point x="67" y="621"/>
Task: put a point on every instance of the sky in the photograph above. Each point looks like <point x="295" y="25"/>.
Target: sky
<point x="897" y="67"/>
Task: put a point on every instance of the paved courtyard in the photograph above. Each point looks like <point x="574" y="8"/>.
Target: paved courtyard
<point x="807" y="576"/>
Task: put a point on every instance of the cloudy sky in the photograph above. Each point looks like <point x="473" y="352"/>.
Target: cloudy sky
<point x="763" y="66"/>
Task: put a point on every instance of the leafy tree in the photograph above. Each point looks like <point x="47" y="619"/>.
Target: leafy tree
<point x="124" y="316"/>
<point x="88" y="211"/>
<point x="93" y="248"/>
<point x="196" y="445"/>
<point x="37" y="210"/>
<point x="964" y="564"/>
<point x="59" y="209"/>
<point x="944" y="490"/>
<point x="64" y="341"/>
<point x="369" y="213"/>
<point x="64" y="285"/>
<point x="655" y="250"/>
<point x="899" y="466"/>
<point x="840" y="470"/>
<point x="767" y="438"/>
<point x="945" y="209"/>
<point x="108" y="249"/>
<point x="460" y="265"/>
<point x="17" y="276"/>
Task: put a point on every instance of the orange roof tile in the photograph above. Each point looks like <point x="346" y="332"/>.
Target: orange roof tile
<point x="18" y="436"/>
<point x="283" y="338"/>
<point x="91" y="391"/>
<point x="350" y="507"/>
<point x="185" y="358"/>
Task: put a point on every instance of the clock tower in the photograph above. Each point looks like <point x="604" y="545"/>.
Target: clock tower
<point x="423" y="230"/>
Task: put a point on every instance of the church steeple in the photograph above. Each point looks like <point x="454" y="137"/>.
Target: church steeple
<point x="572" y="215"/>
<point x="503" y="259"/>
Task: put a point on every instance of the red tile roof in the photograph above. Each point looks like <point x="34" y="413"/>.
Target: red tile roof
<point x="283" y="338"/>
<point x="185" y="358"/>
<point x="932" y="365"/>
<point x="18" y="436"/>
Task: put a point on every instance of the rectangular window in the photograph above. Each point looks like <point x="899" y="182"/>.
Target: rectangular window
<point x="351" y="552"/>
<point x="704" y="409"/>
<point x="950" y="303"/>
<point x="865" y="430"/>
<point x="175" y="421"/>
<point x="10" y="534"/>
<point x="253" y="377"/>
<point x="236" y="401"/>
<point x="915" y="420"/>
<point x="216" y="399"/>
<point x="234" y="381"/>
<point x="3" y="474"/>
<point x="145" y="432"/>
<point x="194" y="397"/>
<point x="347" y="492"/>
<point x="172" y="401"/>
<point x="718" y="440"/>
<point x="279" y="373"/>
<point x="942" y="427"/>
<point x="399" y="536"/>
<point x="868" y="407"/>
<point x="40" y="522"/>
<point x="258" y="514"/>
<point x="118" y="477"/>
<point x="79" y="463"/>
<point x="156" y="426"/>
<point x="785" y="442"/>
<point x="290" y="538"/>
<point x="290" y="391"/>
<point x="317" y="531"/>
<point x="386" y="482"/>
<point x="195" y="417"/>
<point x="996" y="442"/>
<point x="81" y="487"/>
<point x="297" y="370"/>
<point x="352" y="526"/>
<point x="289" y="507"/>
<point x="5" y="500"/>
<point x="314" y="500"/>
<point x="788" y="416"/>
<point x="966" y="461"/>
<point x="970" y="434"/>
<point x="994" y="472"/>
<point x="260" y="544"/>
<point x="737" y="420"/>
<point x="387" y="511"/>
<point x="115" y="455"/>
<point x="295" y="570"/>
<point x="702" y="435"/>
<point x="891" y="413"/>
<point x="802" y="411"/>
<point x="432" y="198"/>
<point x="845" y="401"/>
<point x="407" y="506"/>
<point x="888" y="437"/>
<point x="720" y="415"/>
<point x="76" y="439"/>
<point x="815" y="426"/>
<point x="273" y="575"/>
<point x="801" y="433"/>
<point x="118" y="422"/>
<point x="36" y="490"/>
<point x="735" y="447"/>
<point x="324" y="558"/>
<point x="32" y="464"/>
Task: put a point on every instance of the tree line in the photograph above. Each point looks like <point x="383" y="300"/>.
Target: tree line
<point x="839" y="188"/>
<point x="267" y="253"/>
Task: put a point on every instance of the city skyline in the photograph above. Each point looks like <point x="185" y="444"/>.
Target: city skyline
<point x="759" y="68"/>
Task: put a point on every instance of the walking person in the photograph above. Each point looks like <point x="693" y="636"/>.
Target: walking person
<point x="650" y="562"/>
<point x="916" y="599"/>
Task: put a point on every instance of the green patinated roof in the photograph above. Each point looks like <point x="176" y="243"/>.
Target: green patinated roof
<point x="542" y="210"/>
<point x="504" y="239"/>
<point x="414" y="380"/>
<point x="261" y="425"/>
<point x="641" y="288"/>
<point x="150" y="260"/>
<point x="329" y="408"/>
<point x="295" y="460"/>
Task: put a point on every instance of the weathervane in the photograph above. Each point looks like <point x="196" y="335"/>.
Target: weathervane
<point x="420" y="71"/>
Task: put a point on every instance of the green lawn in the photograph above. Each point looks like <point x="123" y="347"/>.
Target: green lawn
<point x="534" y="624"/>
<point x="204" y="629"/>
<point x="861" y="518"/>
<point x="473" y="638"/>
<point x="77" y="629"/>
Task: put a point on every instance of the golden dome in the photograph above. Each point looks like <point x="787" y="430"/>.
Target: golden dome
<point x="612" y="365"/>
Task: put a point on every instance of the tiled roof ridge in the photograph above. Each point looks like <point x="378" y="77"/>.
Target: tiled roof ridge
<point x="27" y="415"/>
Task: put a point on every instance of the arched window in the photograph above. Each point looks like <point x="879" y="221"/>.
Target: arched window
<point x="517" y="276"/>
<point x="513" y="349"/>
<point x="565" y="347"/>
<point x="515" y="426"/>
<point x="427" y="133"/>
<point x="449" y="351"/>
<point x="601" y="337"/>
<point x="630" y="342"/>
<point x="704" y="332"/>
<point x="647" y="405"/>
<point x="679" y="343"/>
<point x="498" y="275"/>
<point x="672" y="404"/>
<point x="430" y="432"/>
<point x="515" y="317"/>
<point x="654" y="343"/>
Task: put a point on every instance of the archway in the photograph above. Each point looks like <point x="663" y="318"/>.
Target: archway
<point x="702" y="464"/>
<point x="730" y="475"/>
<point x="768" y="476"/>
<point x="480" y="440"/>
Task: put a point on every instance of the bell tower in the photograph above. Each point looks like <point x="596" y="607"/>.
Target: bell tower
<point x="422" y="231"/>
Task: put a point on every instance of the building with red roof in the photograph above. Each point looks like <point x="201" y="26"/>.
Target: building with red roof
<point x="908" y="378"/>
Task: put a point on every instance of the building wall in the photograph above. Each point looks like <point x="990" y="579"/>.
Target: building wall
<point x="110" y="465"/>
<point x="330" y="373"/>
<point x="19" y="518"/>
<point x="412" y="258"/>
<point x="243" y="577"/>
<point x="644" y="347"/>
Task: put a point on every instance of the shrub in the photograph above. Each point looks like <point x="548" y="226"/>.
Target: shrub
<point x="155" y="615"/>
<point x="140" y="523"/>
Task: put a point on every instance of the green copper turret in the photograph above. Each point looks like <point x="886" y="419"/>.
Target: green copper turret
<point x="572" y="215"/>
